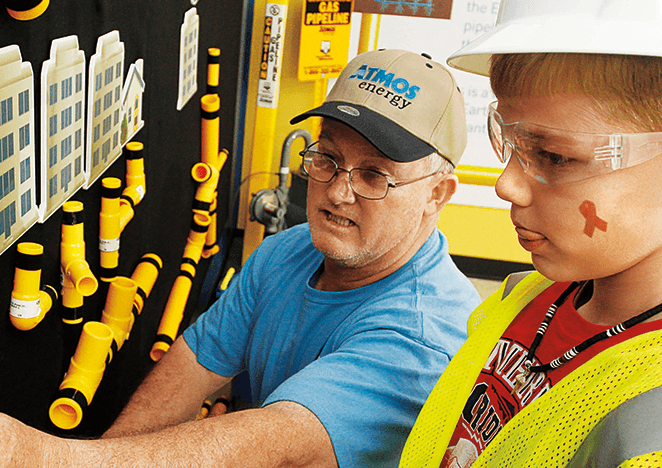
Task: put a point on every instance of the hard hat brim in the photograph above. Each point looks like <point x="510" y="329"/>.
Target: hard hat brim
<point x="559" y="34"/>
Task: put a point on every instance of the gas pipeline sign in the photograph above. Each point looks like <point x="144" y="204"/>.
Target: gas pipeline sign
<point x="324" y="45"/>
<point x="273" y="40"/>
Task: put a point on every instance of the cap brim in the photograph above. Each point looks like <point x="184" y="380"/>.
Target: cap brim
<point x="391" y="139"/>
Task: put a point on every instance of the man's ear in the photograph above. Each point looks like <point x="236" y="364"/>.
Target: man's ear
<point x="441" y="193"/>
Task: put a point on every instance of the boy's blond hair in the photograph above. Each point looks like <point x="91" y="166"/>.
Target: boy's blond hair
<point x="628" y="88"/>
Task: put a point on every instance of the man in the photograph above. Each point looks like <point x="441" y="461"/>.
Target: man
<point x="578" y="123"/>
<point x="343" y="324"/>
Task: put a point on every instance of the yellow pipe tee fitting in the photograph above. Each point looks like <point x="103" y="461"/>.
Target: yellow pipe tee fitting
<point x="83" y="376"/>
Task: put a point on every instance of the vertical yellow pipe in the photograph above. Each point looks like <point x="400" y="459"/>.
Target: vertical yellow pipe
<point x="364" y="33"/>
<point x="265" y="128"/>
<point x="109" y="228"/>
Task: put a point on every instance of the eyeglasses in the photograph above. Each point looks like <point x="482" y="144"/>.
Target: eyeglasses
<point x="555" y="156"/>
<point x="366" y="183"/>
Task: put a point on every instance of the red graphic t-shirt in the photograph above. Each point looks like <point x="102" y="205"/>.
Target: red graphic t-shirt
<point x="492" y="402"/>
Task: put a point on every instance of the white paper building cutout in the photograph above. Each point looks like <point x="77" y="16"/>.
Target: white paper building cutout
<point x="18" y="210"/>
<point x="104" y="106"/>
<point x="132" y="102"/>
<point x="62" y="124"/>
<point x="188" y="57"/>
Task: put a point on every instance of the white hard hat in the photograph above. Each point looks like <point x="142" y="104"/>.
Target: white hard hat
<point x="630" y="27"/>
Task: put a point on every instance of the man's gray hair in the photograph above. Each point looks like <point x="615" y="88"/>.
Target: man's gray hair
<point x="437" y="163"/>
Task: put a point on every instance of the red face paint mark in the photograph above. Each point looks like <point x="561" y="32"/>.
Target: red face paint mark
<point x="587" y="209"/>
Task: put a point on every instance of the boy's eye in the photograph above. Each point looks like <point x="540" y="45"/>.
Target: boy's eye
<point x="549" y="158"/>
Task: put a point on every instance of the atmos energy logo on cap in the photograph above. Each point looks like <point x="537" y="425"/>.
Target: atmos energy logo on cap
<point x="375" y="80"/>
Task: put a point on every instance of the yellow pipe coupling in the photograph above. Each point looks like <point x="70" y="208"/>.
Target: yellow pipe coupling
<point x="145" y="276"/>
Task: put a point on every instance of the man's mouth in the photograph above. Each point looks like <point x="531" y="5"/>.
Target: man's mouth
<point x="340" y="220"/>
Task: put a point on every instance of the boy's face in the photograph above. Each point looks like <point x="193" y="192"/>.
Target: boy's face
<point x="598" y="227"/>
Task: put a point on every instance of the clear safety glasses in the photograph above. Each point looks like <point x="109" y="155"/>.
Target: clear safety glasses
<point x="555" y="156"/>
<point x="366" y="183"/>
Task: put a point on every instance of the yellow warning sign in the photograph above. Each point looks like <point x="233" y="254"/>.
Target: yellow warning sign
<point x="324" y="46"/>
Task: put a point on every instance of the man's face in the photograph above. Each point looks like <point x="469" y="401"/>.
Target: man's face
<point x="354" y="232"/>
<point x="594" y="228"/>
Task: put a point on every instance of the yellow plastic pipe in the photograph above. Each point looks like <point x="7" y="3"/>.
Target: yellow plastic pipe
<point x="83" y="376"/>
<point x="109" y="228"/>
<point x="145" y="276"/>
<point x="29" y="304"/>
<point x="211" y="247"/>
<point x="77" y="277"/>
<point x="117" y="313"/>
<point x="176" y="304"/>
<point x="196" y="239"/>
<point x="213" y="70"/>
<point x="136" y="186"/>
<point x="210" y="105"/>
<point x="172" y="315"/>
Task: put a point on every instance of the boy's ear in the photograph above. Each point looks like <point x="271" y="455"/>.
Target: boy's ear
<point x="441" y="193"/>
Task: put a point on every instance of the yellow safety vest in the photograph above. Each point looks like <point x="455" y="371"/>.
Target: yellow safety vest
<point x="547" y="432"/>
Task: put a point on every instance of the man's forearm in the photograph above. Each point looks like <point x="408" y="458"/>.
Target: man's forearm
<point x="171" y="394"/>
<point x="283" y="434"/>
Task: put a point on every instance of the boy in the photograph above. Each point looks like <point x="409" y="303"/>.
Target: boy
<point x="549" y="357"/>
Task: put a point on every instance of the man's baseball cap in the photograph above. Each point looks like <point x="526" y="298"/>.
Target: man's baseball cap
<point x="405" y="104"/>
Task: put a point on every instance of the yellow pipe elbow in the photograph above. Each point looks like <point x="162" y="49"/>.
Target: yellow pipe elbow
<point x="117" y="313"/>
<point x="172" y="315"/>
<point x="83" y="376"/>
<point x="145" y="276"/>
<point x="29" y="304"/>
<point x="109" y="228"/>
<point x="72" y="250"/>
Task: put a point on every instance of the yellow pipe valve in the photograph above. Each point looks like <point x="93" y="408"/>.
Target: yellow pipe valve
<point x="109" y="227"/>
<point x="29" y="304"/>
<point x="117" y="313"/>
<point x="83" y="376"/>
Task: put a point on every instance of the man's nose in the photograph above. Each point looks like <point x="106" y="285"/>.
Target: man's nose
<point x="340" y="188"/>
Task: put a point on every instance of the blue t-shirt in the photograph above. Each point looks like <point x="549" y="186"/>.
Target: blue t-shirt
<point x="363" y="361"/>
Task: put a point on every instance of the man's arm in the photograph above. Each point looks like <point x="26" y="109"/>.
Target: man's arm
<point x="171" y="394"/>
<point x="284" y="434"/>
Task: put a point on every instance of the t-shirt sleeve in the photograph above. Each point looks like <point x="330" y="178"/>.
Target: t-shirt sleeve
<point x="367" y="394"/>
<point x="219" y="336"/>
